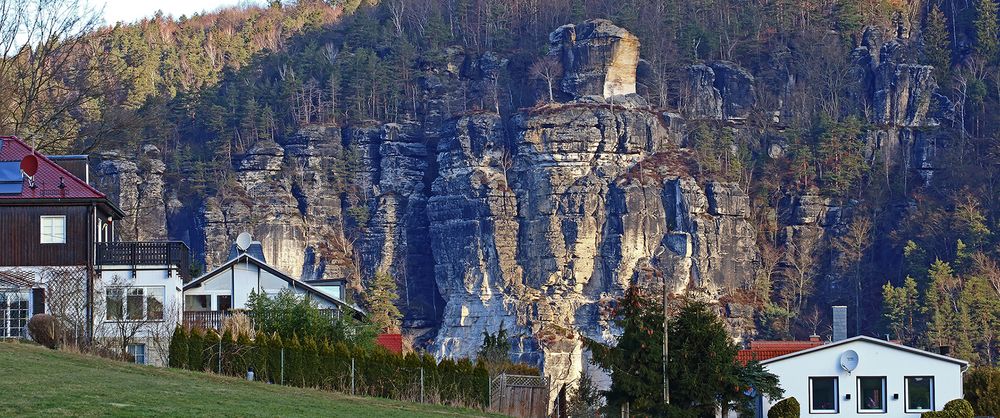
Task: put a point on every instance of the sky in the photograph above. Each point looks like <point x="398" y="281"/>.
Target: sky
<point x="132" y="10"/>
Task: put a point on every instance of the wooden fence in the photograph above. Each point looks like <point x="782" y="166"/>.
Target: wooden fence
<point x="520" y="396"/>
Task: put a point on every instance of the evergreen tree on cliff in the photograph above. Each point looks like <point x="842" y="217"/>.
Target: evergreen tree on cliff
<point x="937" y="43"/>
<point x="704" y="375"/>
<point x="987" y="31"/>
<point x="382" y="308"/>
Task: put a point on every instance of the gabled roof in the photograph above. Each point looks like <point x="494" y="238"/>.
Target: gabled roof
<point x="295" y="284"/>
<point x="47" y="179"/>
<point x="871" y="340"/>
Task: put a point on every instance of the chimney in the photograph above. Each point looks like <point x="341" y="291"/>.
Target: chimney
<point x="814" y="338"/>
<point x="839" y="323"/>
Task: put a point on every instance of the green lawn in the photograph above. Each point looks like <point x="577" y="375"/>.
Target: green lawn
<point x="38" y="381"/>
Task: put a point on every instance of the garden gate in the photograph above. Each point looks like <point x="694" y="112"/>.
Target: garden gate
<point x="520" y="396"/>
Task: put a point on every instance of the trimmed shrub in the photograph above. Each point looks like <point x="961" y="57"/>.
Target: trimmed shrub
<point x="982" y="390"/>
<point x="957" y="408"/>
<point x="178" y="351"/>
<point x="45" y="329"/>
<point x="196" y="359"/>
<point x="785" y="408"/>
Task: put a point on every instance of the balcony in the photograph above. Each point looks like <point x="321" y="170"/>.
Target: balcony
<point x="162" y="253"/>
<point x="216" y="319"/>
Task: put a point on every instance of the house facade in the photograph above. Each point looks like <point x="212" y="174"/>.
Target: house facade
<point x="61" y="255"/>
<point x="209" y="298"/>
<point x="866" y="377"/>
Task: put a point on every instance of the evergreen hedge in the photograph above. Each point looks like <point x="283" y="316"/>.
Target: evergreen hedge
<point x="956" y="408"/>
<point x="326" y="364"/>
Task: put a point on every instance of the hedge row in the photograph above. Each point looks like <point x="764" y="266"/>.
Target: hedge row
<point x="327" y="365"/>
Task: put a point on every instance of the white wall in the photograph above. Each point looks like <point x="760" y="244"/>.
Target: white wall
<point x="246" y="278"/>
<point x="874" y="360"/>
<point x="154" y="334"/>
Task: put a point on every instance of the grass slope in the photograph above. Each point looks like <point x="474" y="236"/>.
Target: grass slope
<point x="38" y="381"/>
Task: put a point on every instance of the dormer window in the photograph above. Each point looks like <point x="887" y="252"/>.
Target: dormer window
<point x="53" y="229"/>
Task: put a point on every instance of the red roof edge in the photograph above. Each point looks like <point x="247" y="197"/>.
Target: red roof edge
<point x="391" y="342"/>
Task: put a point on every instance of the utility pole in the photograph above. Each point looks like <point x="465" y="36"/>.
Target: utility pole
<point x="666" y="343"/>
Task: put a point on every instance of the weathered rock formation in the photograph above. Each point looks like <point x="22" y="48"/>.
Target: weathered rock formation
<point x="136" y="185"/>
<point x="720" y="90"/>
<point x="597" y="57"/>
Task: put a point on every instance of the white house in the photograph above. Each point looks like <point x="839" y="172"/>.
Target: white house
<point x="866" y="377"/>
<point x="230" y="285"/>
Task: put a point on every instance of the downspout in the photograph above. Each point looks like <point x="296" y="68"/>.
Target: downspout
<point x="90" y="273"/>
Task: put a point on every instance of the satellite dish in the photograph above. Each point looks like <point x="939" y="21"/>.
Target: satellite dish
<point x="29" y="166"/>
<point x="243" y="241"/>
<point x="849" y="360"/>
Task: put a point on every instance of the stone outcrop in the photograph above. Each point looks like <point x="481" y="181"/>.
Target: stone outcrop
<point x="597" y="57"/>
<point x="136" y="185"/>
<point x="720" y="90"/>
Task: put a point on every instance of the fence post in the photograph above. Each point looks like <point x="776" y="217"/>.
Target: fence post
<point x="352" y="376"/>
<point x="282" y="365"/>
<point x="421" y="385"/>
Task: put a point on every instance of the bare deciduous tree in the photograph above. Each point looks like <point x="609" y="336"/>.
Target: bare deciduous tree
<point x="549" y="69"/>
<point x="44" y="67"/>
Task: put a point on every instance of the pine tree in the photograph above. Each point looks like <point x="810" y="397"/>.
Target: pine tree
<point x="382" y="303"/>
<point x="178" y="349"/>
<point x="987" y="31"/>
<point x="901" y="307"/>
<point x="937" y="44"/>
<point x="585" y="399"/>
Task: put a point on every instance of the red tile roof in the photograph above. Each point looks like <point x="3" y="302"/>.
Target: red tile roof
<point x="391" y="342"/>
<point x="47" y="178"/>
<point x="763" y="350"/>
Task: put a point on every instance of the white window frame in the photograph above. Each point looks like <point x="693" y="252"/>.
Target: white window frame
<point x="133" y="349"/>
<point x="14" y="328"/>
<point x="906" y="395"/>
<point x="860" y="403"/>
<point x="51" y="236"/>
<point x="836" y="396"/>
<point x="145" y="306"/>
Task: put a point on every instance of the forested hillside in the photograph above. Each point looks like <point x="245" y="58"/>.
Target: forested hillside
<point x="857" y="143"/>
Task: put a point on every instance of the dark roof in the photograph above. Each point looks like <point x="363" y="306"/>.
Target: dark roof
<point x="47" y="180"/>
<point x="868" y="339"/>
<point x="294" y="283"/>
<point x="256" y="250"/>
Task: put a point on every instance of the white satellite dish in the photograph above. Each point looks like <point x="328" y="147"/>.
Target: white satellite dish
<point x="243" y="241"/>
<point x="849" y="361"/>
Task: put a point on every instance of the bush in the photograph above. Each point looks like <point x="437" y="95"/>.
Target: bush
<point x="957" y="408"/>
<point x="982" y="390"/>
<point x="785" y="408"/>
<point x="178" y="351"/>
<point x="46" y="330"/>
<point x="961" y="407"/>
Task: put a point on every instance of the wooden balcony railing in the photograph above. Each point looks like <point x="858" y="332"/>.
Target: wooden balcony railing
<point x="216" y="319"/>
<point x="164" y="253"/>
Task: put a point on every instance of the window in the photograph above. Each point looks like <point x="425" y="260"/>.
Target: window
<point x="134" y="304"/>
<point x="13" y="314"/>
<point x="138" y="352"/>
<point x="197" y="303"/>
<point x="823" y="395"/>
<point x="919" y="394"/>
<point x="871" y="395"/>
<point x="224" y="302"/>
<point x="53" y="229"/>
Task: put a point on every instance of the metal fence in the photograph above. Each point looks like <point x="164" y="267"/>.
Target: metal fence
<point x="215" y="320"/>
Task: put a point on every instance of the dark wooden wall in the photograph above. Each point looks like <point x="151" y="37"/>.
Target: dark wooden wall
<point x="20" y="236"/>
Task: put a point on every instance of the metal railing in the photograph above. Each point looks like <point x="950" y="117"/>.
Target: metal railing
<point x="168" y="253"/>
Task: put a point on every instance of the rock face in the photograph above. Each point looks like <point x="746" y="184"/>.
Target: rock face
<point x="598" y="58"/>
<point x="905" y="103"/>
<point x="720" y="90"/>
<point x="136" y="185"/>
